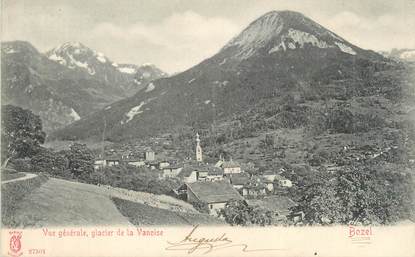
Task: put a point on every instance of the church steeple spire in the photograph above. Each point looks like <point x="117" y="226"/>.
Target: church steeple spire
<point x="199" y="157"/>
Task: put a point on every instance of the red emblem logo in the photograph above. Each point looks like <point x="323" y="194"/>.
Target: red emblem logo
<point x="15" y="244"/>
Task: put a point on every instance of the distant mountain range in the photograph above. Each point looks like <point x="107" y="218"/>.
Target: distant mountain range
<point x="68" y="82"/>
<point x="400" y="54"/>
<point x="281" y="53"/>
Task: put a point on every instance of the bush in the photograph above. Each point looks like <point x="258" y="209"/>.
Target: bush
<point x="21" y="165"/>
<point x="316" y="160"/>
<point x="132" y="178"/>
<point x="201" y="207"/>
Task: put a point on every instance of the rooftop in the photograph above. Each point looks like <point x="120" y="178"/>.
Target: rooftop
<point x="230" y="164"/>
<point x="214" y="192"/>
<point x="269" y="172"/>
<point x="239" y="179"/>
<point x="109" y="158"/>
<point x="172" y="166"/>
<point x="189" y="168"/>
<point x="255" y="185"/>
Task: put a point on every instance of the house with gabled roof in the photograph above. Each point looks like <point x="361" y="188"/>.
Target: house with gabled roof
<point x="214" y="194"/>
<point x="270" y="177"/>
<point x="170" y="171"/>
<point x="238" y="180"/>
<point x="253" y="188"/>
<point x="229" y="167"/>
<point x="193" y="172"/>
<point x="106" y="161"/>
<point x="134" y="162"/>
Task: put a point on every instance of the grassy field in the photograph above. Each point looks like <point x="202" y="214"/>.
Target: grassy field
<point x="60" y="202"/>
<point x="13" y="193"/>
<point x="63" y="203"/>
<point x="144" y="215"/>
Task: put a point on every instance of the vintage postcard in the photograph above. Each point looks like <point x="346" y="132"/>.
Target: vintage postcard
<point x="207" y="128"/>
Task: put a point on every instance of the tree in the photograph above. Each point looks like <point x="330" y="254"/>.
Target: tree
<point x="50" y="162"/>
<point x="201" y="207"/>
<point x="320" y="204"/>
<point x="235" y="213"/>
<point x="21" y="133"/>
<point x="364" y="194"/>
<point x="80" y="160"/>
<point x="372" y="195"/>
<point x="269" y="140"/>
<point x="239" y="213"/>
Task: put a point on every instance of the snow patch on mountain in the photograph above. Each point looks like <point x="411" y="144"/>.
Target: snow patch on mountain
<point x="190" y="81"/>
<point x="223" y="62"/>
<point x="9" y="51"/>
<point x="137" y="110"/>
<point x="134" y="111"/>
<point x="91" y="71"/>
<point x="146" y="75"/>
<point x="408" y="54"/>
<point x="127" y="70"/>
<point x="77" y="63"/>
<point x="345" y="48"/>
<point x="299" y="38"/>
<point x="101" y="57"/>
<point x="74" y="115"/>
<point x="150" y="87"/>
<point x="58" y="59"/>
<point x="335" y="36"/>
<point x="114" y="64"/>
<point x="303" y="38"/>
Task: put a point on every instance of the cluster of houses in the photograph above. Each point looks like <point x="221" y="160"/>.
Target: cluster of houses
<point x="214" y="184"/>
<point x="113" y="160"/>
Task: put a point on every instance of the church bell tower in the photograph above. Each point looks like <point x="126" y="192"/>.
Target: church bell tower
<point x="199" y="157"/>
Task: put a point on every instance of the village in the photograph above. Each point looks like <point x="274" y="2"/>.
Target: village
<point x="213" y="184"/>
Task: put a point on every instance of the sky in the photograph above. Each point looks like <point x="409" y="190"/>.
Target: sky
<point x="177" y="34"/>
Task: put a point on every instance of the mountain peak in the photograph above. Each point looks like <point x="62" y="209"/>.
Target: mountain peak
<point x="71" y="44"/>
<point x="10" y="47"/>
<point x="282" y="14"/>
<point x="281" y="31"/>
<point x="76" y="48"/>
<point x="76" y="55"/>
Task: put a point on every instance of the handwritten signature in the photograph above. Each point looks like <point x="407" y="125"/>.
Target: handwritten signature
<point x="190" y="243"/>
